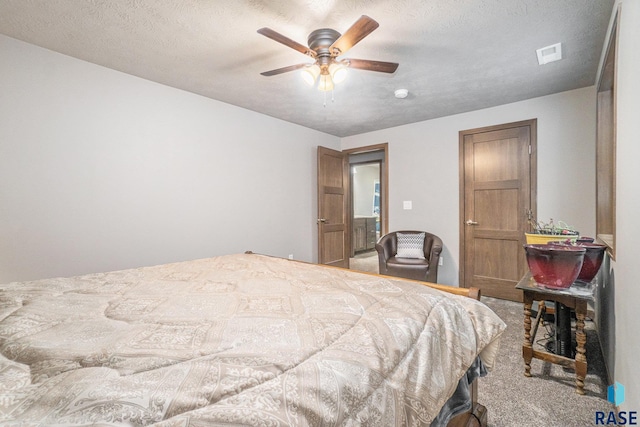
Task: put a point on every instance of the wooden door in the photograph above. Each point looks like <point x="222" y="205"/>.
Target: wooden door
<point x="498" y="198"/>
<point x="333" y="205"/>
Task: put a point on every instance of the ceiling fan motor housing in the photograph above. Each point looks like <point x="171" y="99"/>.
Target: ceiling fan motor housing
<point x="320" y="40"/>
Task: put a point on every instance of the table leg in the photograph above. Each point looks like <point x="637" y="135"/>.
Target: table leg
<point x="581" y="340"/>
<point x="527" y="347"/>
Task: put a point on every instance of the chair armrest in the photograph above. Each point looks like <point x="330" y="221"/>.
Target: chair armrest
<point x="436" y="250"/>
<point x="386" y="249"/>
<point x="434" y="257"/>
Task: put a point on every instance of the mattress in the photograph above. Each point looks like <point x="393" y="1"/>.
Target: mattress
<point x="235" y="340"/>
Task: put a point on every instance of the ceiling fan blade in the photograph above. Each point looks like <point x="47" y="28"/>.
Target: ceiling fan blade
<point x="359" y="30"/>
<point x="283" y="70"/>
<point x="379" y="66"/>
<point x="273" y="35"/>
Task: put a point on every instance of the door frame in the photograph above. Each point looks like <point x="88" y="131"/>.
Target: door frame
<point x="384" y="184"/>
<point x="533" y="179"/>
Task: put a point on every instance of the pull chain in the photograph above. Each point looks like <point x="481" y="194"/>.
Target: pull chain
<point x="324" y="104"/>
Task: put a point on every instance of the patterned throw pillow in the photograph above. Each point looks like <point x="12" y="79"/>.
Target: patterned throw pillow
<point x="410" y="245"/>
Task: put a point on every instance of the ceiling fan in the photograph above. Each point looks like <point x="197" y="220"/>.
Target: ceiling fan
<point x="325" y="46"/>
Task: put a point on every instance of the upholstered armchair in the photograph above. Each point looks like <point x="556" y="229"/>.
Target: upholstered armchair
<point x="405" y="254"/>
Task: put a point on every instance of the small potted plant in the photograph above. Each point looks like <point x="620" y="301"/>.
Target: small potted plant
<point x="544" y="232"/>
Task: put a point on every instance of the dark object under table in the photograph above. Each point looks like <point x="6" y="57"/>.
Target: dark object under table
<point x="575" y="297"/>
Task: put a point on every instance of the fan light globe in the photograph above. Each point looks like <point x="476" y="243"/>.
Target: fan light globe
<point x="310" y="74"/>
<point x="338" y="73"/>
<point x="325" y="84"/>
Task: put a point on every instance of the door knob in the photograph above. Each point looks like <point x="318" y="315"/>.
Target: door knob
<point x="470" y="222"/>
<point x="321" y="220"/>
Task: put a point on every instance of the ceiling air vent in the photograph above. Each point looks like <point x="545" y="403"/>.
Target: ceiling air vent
<point x="549" y="53"/>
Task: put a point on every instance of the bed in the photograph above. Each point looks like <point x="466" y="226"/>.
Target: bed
<point x="241" y="339"/>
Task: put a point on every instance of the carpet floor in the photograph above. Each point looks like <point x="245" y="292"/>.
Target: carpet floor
<point x="365" y="261"/>
<point x="548" y="397"/>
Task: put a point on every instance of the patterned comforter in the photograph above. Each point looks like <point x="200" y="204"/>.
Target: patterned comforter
<point x="234" y="340"/>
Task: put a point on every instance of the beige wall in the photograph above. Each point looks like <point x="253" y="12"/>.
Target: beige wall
<point x="100" y="170"/>
<point x="423" y="166"/>
<point x="625" y="270"/>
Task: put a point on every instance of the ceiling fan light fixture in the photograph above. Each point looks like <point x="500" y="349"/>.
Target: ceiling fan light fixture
<point x="338" y="72"/>
<point x="325" y="83"/>
<point x="325" y="45"/>
<point x="310" y="74"/>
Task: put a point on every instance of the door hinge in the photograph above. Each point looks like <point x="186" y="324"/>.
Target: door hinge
<point x="529" y="149"/>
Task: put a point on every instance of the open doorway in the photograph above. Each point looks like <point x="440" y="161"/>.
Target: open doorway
<point x="335" y="202"/>
<point x="368" y="220"/>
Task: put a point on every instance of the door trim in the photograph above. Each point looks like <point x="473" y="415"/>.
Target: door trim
<point x="533" y="179"/>
<point x="384" y="181"/>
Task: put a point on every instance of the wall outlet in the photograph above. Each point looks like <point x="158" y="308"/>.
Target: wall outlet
<point x="290" y="256"/>
<point x="441" y="261"/>
<point x="407" y="205"/>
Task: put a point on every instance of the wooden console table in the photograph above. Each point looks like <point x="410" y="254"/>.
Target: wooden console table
<point x="574" y="298"/>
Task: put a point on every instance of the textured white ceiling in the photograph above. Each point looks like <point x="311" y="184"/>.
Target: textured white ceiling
<point x="454" y="55"/>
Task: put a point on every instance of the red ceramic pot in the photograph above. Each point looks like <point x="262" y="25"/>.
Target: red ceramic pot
<point x="583" y="239"/>
<point x="555" y="266"/>
<point x="592" y="261"/>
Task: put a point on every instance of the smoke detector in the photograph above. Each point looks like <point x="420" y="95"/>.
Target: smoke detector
<point x="401" y="93"/>
<point x="549" y="53"/>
